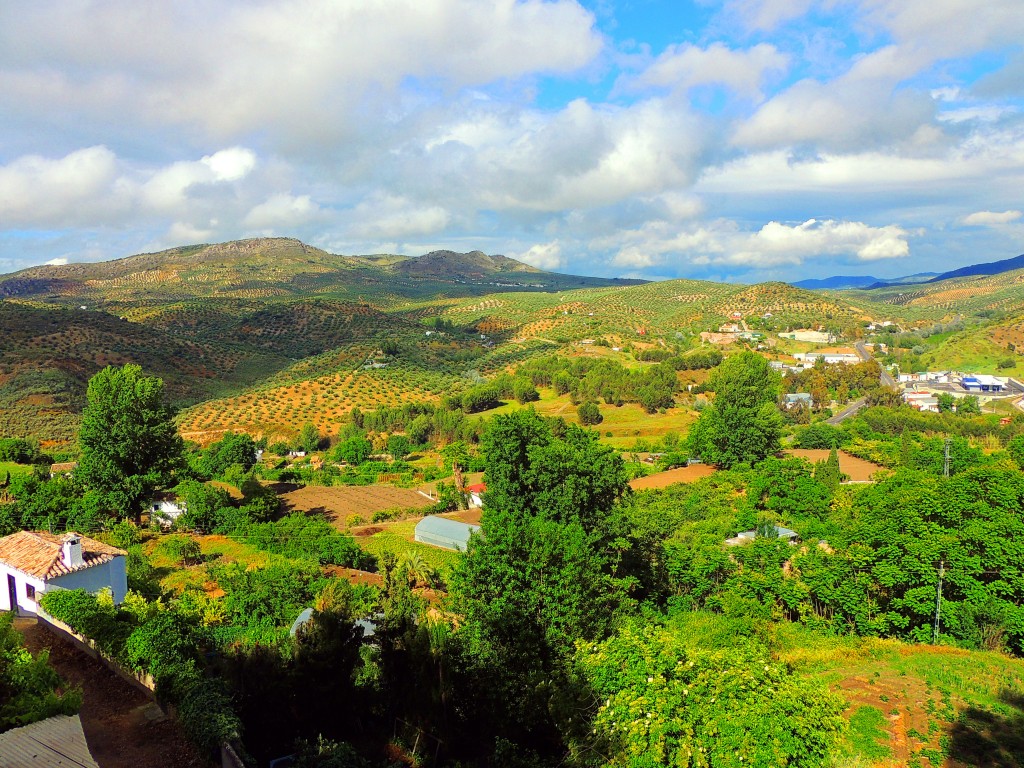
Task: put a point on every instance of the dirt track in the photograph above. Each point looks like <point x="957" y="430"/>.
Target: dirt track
<point x="339" y="502"/>
<point x="113" y="712"/>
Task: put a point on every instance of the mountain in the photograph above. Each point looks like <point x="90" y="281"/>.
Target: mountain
<point x="989" y="268"/>
<point x="265" y="268"/>
<point x="843" y="282"/>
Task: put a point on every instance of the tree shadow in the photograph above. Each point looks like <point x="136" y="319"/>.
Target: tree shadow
<point x="990" y="739"/>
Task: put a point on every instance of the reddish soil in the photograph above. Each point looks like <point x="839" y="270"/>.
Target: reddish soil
<point x="114" y="712"/>
<point x="354" y="576"/>
<point x="471" y="516"/>
<point x="672" y="476"/>
<point x="339" y="502"/>
<point x="857" y="469"/>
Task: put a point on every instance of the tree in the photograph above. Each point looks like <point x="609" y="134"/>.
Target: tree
<point x="355" y="450"/>
<point x="399" y="446"/>
<point x="229" y="450"/>
<point x="129" y="442"/>
<point x="589" y="414"/>
<point x="309" y="438"/>
<point x="743" y="424"/>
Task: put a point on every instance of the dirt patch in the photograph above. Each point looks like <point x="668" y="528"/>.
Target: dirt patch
<point x="354" y="576"/>
<point x="471" y="516"/>
<point x="672" y="476"/>
<point x="339" y="502"/>
<point x="366" y="530"/>
<point x="116" y="717"/>
<point x="858" y="470"/>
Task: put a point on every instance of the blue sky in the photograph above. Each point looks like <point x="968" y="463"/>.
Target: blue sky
<point x="737" y="140"/>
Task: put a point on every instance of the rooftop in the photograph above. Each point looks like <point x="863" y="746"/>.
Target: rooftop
<point x="39" y="554"/>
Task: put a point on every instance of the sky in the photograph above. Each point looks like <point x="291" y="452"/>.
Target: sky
<point x="738" y="140"/>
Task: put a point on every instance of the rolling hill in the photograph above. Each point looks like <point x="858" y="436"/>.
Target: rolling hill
<point x="268" y="334"/>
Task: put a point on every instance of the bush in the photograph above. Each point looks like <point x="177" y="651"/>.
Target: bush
<point x="207" y="717"/>
<point x="589" y="414"/>
<point x="85" y="614"/>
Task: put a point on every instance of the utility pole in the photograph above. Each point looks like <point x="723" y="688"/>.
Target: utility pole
<point x="938" y="603"/>
<point x="945" y="463"/>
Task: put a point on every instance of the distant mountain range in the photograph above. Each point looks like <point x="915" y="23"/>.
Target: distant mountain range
<point x="841" y="282"/>
<point x="866" y="282"/>
<point x="281" y="267"/>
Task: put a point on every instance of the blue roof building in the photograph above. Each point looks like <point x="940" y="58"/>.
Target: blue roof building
<point x="445" y="533"/>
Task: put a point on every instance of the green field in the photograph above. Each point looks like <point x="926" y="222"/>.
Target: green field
<point x="14" y="469"/>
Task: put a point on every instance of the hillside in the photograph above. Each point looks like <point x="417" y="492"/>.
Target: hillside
<point x="278" y="268"/>
<point x="265" y="335"/>
<point x="988" y="268"/>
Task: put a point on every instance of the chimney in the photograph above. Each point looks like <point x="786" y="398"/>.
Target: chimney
<point x="71" y="551"/>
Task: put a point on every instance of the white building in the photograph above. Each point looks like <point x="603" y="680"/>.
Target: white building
<point x="32" y="564"/>
<point x="165" y="512"/>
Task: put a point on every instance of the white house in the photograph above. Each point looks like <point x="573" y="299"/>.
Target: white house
<point x="476" y="495"/>
<point x="32" y="563"/>
<point x="164" y="512"/>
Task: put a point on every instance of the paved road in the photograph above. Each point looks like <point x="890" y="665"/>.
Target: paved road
<point x="885" y="379"/>
<point x="847" y="412"/>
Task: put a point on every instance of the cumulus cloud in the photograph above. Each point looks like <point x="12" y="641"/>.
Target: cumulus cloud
<point x="688" y="66"/>
<point x="991" y="218"/>
<point x="282" y="210"/>
<point x="543" y="256"/>
<point x="78" y="187"/>
<point x="722" y="242"/>
<point x="303" y="70"/>
<point x="58" y="262"/>
<point x="391" y="217"/>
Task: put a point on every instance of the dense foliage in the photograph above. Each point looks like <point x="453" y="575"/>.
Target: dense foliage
<point x="28" y="685"/>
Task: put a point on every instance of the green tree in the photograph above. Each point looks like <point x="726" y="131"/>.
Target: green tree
<point x="233" y="448"/>
<point x="28" y="685"/>
<point x="129" y="442"/>
<point x="399" y="446"/>
<point x="309" y="438"/>
<point x="589" y="414"/>
<point x="355" y="450"/>
<point x="743" y="424"/>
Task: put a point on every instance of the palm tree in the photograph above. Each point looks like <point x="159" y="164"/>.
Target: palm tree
<point x="418" y="569"/>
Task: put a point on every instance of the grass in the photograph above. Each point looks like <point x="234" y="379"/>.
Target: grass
<point x="625" y="423"/>
<point x="399" y="543"/>
<point x="14" y="469"/>
<point x="868" y="733"/>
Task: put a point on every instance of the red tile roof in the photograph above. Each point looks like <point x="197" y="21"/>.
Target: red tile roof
<point x="39" y="554"/>
<point x="478" y="488"/>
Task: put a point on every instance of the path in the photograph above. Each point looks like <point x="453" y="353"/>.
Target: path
<point x="847" y="412"/>
<point x="122" y="725"/>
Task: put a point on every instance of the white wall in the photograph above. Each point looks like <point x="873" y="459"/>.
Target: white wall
<point x="113" y="575"/>
<point x="21" y="580"/>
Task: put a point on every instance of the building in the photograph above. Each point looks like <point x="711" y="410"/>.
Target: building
<point x="476" y="494"/>
<point x="922" y="401"/>
<point x="33" y="563"/>
<point x="164" y="512"/>
<point x="797" y="398"/>
<point x="56" y="742"/>
<point x="63" y="468"/>
<point x="745" y="537"/>
<point x="980" y="382"/>
<point x="444" y="532"/>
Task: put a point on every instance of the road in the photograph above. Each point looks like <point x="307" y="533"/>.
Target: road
<point x="847" y="412"/>
<point x="885" y="379"/>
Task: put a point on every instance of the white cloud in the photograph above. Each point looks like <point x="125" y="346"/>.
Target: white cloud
<point x="58" y="262"/>
<point x="304" y="71"/>
<point x="766" y="15"/>
<point x="543" y="256"/>
<point x="687" y="66"/>
<point x="388" y="217"/>
<point x="991" y="218"/>
<point x="168" y="189"/>
<point x="72" y="189"/>
<point x="723" y="243"/>
<point x="281" y="210"/>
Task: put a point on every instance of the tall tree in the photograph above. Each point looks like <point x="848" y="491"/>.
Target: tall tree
<point x="743" y="424"/>
<point x="128" y="438"/>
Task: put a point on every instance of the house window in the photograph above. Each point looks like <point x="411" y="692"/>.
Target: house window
<point x="30" y="592"/>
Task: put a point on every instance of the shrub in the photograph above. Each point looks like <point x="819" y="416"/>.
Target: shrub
<point x="85" y="614"/>
<point x="207" y="717"/>
<point x="589" y="414"/>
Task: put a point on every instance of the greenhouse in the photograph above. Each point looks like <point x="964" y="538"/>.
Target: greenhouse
<point x="444" y="533"/>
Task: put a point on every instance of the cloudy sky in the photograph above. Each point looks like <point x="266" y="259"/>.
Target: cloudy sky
<point x="723" y="139"/>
